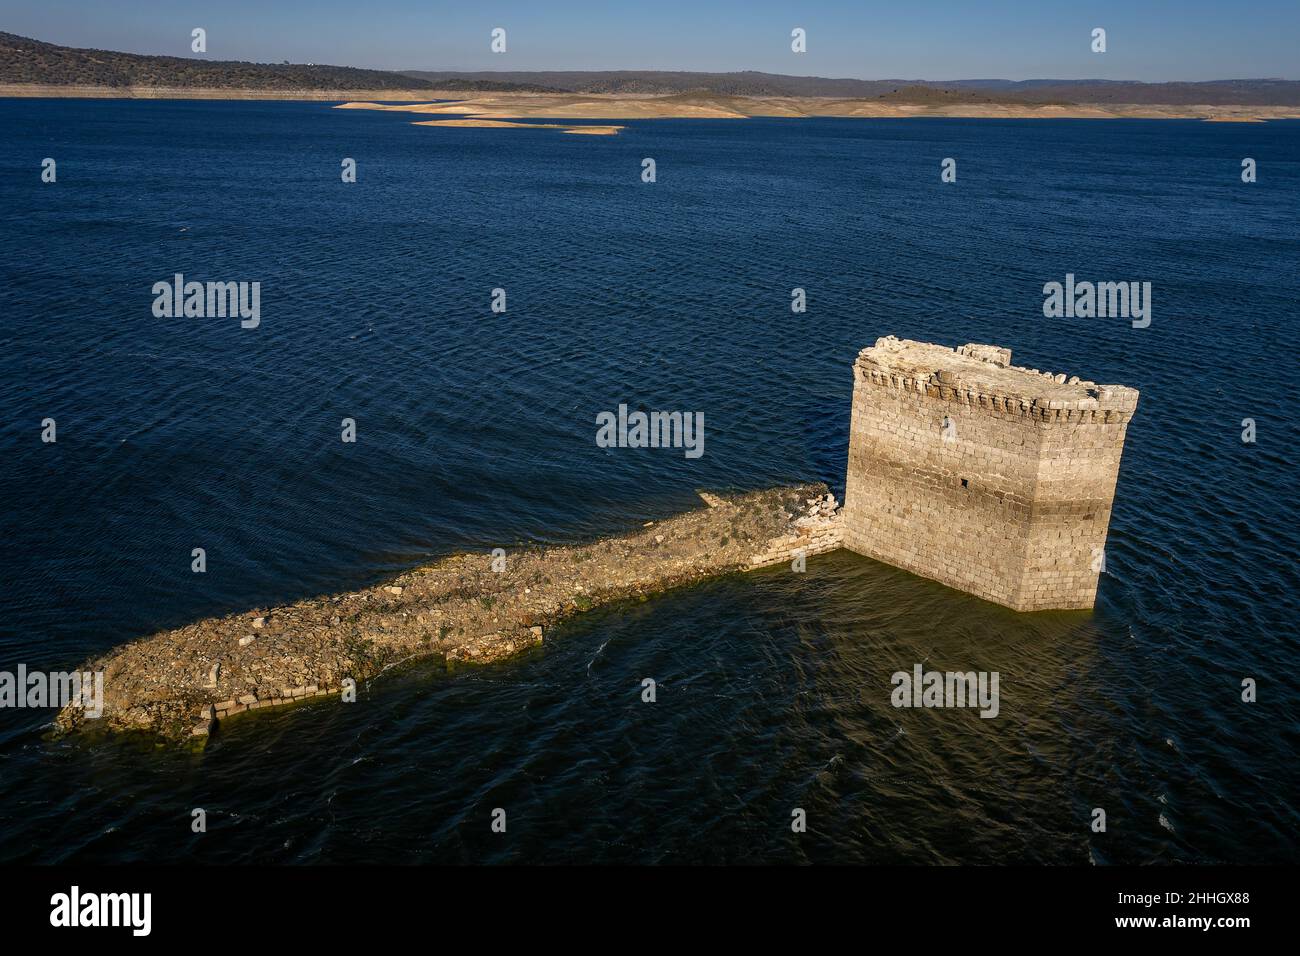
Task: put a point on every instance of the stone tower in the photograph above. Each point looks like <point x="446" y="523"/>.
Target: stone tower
<point x="989" y="478"/>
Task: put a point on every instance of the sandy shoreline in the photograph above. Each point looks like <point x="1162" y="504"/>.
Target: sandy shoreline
<point x="179" y="684"/>
<point x="506" y="110"/>
<point x="516" y="106"/>
<point x="572" y="106"/>
<point x="480" y="123"/>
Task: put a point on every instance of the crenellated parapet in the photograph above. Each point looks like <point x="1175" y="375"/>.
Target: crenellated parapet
<point x="965" y="376"/>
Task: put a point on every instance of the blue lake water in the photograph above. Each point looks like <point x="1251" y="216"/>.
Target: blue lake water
<point x="476" y="430"/>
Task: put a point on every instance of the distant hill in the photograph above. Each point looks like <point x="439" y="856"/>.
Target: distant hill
<point x="27" y="61"/>
<point x="938" y="95"/>
<point x="23" y="60"/>
<point x="1209" y="93"/>
<point x="747" y="83"/>
<point x="752" y="83"/>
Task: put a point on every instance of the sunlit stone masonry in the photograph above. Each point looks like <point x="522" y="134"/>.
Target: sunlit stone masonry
<point x="993" y="479"/>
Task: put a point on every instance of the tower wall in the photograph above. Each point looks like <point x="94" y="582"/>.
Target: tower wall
<point x="992" y="479"/>
<point x="1078" y="467"/>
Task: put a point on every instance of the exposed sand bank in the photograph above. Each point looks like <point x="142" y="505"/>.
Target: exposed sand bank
<point x="569" y="106"/>
<point x="495" y="124"/>
<point x="506" y="107"/>
<point x="179" y="683"/>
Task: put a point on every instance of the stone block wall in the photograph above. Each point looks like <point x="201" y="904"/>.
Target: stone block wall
<point x="817" y="531"/>
<point x="992" y="479"/>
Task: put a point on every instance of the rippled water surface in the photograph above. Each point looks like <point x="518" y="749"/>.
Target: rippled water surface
<point x="476" y="430"/>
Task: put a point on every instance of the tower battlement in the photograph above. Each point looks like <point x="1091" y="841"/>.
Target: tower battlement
<point x="983" y="376"/>
<point x="991" y="478"/>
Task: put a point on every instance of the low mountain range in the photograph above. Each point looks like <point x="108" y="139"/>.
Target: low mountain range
<point x="753" y="83"/>
<point x="25" y="62"/>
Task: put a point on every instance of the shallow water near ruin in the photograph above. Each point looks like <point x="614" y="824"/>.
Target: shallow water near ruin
<point x="478" y="430"/>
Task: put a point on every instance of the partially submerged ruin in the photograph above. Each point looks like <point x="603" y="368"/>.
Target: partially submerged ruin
<point x="992" y="479"/>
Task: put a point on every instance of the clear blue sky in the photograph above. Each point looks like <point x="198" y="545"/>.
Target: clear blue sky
<point x="909" y="39"/>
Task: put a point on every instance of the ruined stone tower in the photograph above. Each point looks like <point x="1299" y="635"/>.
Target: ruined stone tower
<point x="992" y="479"/>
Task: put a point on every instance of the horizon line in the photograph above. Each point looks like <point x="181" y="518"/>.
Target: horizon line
<point x="796" y="76"/>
